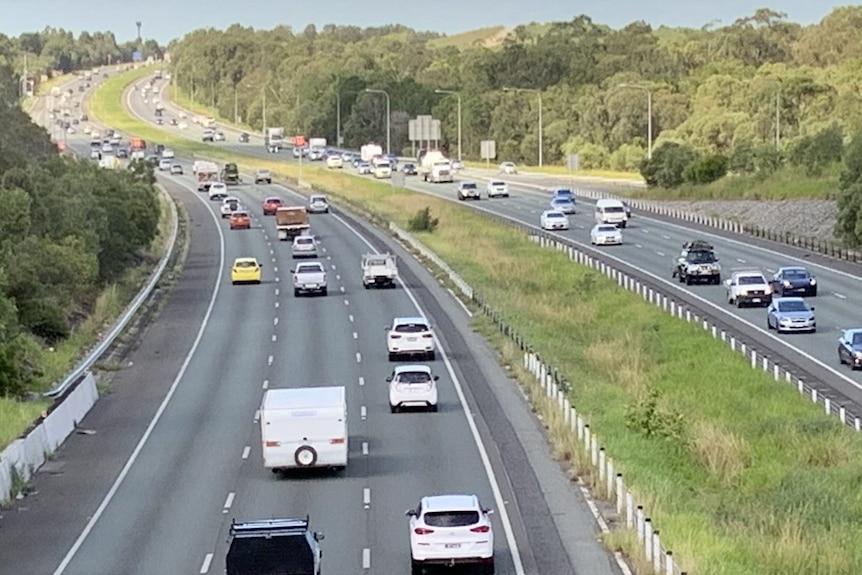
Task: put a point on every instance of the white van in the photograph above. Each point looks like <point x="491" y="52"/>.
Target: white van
<point x="304" y="427"/>
<point x="611" y="212"/>
<point x="382" y="170"/>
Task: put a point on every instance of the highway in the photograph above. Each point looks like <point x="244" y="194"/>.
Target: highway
<point x="652" y="245"/>
<point x="183" y="447"/>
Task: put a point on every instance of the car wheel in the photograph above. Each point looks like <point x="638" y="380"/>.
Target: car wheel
<point x="295" y="293"/>
<point x="814" y="292"/>
<point x="688" y="280"/>
<point x="431" y="356"/>
<point x="305" y="456"/>
<point x="739" y="303"/>
<point x="393" y="356"/>
<point x="489" y="567"/>
<point x="840" y="358"/>
<point x="433" y="408"/>
<point x="393" y="408"/>
<point x="681" y="278"/>
<point x="323" y="291"/>
<point x="416" y="567"/>
<point x="768" y="323"/>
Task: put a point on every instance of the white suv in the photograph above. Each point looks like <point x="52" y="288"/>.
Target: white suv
<point x="229" y="205"/>
<point x="304" y="247"/>
<point x="412" y="386"/>
<point x="748" y="288"/>
<point x="497" y="189"/>
<point x="410" y="336"/>
<point x="218" y="191"/>
<point x="451" y="529"/>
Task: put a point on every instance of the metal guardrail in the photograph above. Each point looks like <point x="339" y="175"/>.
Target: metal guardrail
<point x="130" y="312"/>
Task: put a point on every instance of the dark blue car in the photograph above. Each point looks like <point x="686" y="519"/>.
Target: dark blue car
<point x="793" y="280"/>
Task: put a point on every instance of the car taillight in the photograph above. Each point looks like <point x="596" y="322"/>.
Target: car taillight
<point x="423" y="531"/>
<point x="428" y="335"/>
<point x="481" y="529"/>
<point x="394" y="336"/>
<point x="337" y="441"/>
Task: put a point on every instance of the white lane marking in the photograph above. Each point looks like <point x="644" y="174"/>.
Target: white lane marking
<point x="363" y="413"/>
<point x="740" y="260"/>
<point x="840" y="296"/>
<point x="338" y="276"/>
<point x="665" y="237"/>
<point x="366" y="558"/>
<point x="355" y="335"/>
<point x="342" y="289"/>
<point x="660" y="253"/>
<point x="245" y="451"/>
<point x="474" y="430"/>
<point x="276" y="304"/>
<point x="366" y="496"/>
<point x="269" y="360"/>
<point x="463" y="306"/>
<point x="770" y="270"/>
<point x="265" y="384"/>
<point x="324" y="250"/>
<point x="100" y="510"/>
<point x="361" y="381"/>
<point x="364" y="448"/>
<point x="272" y="253"/>
<point x="274" y="337"/>
<point x="646" y="231"/>
<point x="358" y="357"/>
<point x="205" y="566"/>
<point x="330" y="258"/>
<point x="346" y="302"/>
<point x="350" y="317"/>
<point x="638" y="246"/>
<point x="274" y="260"/>
<point x="276" y="292"/>
<point x="275" y="269"/>
<point x="277" y="279"/>
<point x="275" y="321"/>
<point x="228" y="503"/>
<point x="333" y="265"/>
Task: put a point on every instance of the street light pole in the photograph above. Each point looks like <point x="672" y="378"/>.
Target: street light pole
<point x="388" y="115"/>
<point x="235" y="106"/>
<point x="649" y="113"/>
<point x="456" y="94"/>
<point x="337" y="120"/>
<point x="264" y="112"/>
<point x="541" y="129"/>
<point x="778" y="119"/>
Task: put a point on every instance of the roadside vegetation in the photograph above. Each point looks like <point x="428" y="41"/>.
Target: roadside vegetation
<point x="743" y="476"/>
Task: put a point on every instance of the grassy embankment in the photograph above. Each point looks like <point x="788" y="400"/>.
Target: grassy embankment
<point x="16" y="416"/>
<point x="742" y="476"/>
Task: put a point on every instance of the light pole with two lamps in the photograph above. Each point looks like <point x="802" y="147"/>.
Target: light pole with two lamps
<point x="388" y="125"/>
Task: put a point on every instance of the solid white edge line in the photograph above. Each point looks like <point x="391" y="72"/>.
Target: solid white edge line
<point x="366" y="496"/>
<point x="474" y="430"/>
<point x="88" y="528"/>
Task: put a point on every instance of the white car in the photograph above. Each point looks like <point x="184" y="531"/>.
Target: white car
<point x="508" y="168"/>
<point x="606" y="235"/>
<point x="333" y="161"/>
<point x="449" y="530"/>
<point x="468" y="191"/>
<point x="218" y="191"/>
<point x="107" y="149"/>
<point x="218" y="137"/>
<point x="317" y="204"/>
<point x="497" y="189"/>
<point x="309" y="277"/>
<point x="554" y="220"/>
<point x="410" y="336"/>
<point x="95" y="154"/>
<point x="228" y="206"/>
<point x="412" y="386"/>
<point x="748" y="288"/>
<point x="168" y="153"/>
<point x="164" y="165"/>
<point x="364" y="168"/>
<point x="304" y="247"/>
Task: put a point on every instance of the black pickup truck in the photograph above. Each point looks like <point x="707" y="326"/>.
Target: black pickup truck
<point x="273" y="547"/>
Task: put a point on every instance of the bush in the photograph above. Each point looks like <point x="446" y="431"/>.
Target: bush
<point x="667" y="166"/>
<point x="742" y="159"/>
<point x="593" y="157"/>
<point x="627" y="158"/>
<point x="819" y="151"/>
<point x="706" y="170"/>
<point x="423" y="221"/>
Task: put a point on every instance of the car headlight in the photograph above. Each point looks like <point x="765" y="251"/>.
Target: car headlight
<point x="768" y="290"/>
<point x="858" y="354"/>
<point x="813" y="282"/>
<point x="786" y="283"/>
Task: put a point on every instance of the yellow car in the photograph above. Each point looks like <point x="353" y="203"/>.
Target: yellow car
<point x="245" y="270"/>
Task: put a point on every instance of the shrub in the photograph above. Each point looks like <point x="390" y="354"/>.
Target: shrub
<point x="423" y="221"/>
<point x="667" y="166"/>
<point x="706" y="170"/>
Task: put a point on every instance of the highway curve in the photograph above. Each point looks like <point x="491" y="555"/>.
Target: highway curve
<point x="162" y="504"/>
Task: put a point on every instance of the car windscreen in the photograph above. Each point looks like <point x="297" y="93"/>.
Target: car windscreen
<point x="451" y="518"/>
<point x="555" y="215"/>
<point x="240" y="215"/>
<point x="306" y="241"/>
<point x="795" y="274"/>
<point x="608" y="229"/>
<point x="498" y="184"/>
<point x="789" y="306"/>
<point x="309" y="269"/>
<point x="468" y="186"/>
<point x="751" y="280"/>
<point x="614" y="210"/>
<point x="273" y="201"/>
<point x="701" y="257"/>
<point x="413" y="377"/>
<point x="246" y="264"/>
<point x="411" y="328"/>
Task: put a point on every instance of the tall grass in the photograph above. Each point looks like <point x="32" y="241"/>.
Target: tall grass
<point x="753" y="480"/>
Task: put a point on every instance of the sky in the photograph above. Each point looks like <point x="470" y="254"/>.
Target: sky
<point x="165" y="20"/>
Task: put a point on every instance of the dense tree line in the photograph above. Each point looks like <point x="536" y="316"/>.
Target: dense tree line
<point x="715" y="89"/>
<point x="67" y="229"/>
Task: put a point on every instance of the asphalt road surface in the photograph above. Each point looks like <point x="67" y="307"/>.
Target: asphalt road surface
<point x="176" y="451"/>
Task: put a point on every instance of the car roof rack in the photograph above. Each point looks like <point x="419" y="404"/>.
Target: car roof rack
<point x="697" y="245"/>
<point x="268" y="527"/>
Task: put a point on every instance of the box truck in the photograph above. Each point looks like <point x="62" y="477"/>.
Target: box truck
<point x="304" y="427"/>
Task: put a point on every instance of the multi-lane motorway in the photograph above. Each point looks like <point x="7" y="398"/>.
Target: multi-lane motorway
<point x="651" y="245"/>
<point x="172" y="454"/>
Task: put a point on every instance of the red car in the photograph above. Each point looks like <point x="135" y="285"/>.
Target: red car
<point x="271" y="205"/>
<point x="240" y="221"/>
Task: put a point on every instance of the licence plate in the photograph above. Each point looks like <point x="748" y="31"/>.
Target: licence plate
<point x="311" y="285"/>
<point x="411" y="339"/>
<point x="755" y="300"/>
<point x="453" y="546"/>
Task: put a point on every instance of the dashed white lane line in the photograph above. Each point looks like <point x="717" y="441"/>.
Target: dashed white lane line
<point x="364" y="448"/>
<point x="358" y="357"/>
<point x="346" y="302"/>
<point x="366" y="497"/>
<point x="740" y="260"/>
<point x="355" y="335"/>
<point x="333" y="265"/>
<point x="665" y="237"/>
<point x="770" y="270"/>
<point x="275" y="321"/>
<point x="840" y="296"/>
<point x="342" y="289"/>
<point x="366" y="558"/>
<point x="265" y="384"/>
<point x="277" y="279"/>
<point x="276" y="292"/>
<point x="638" y="246"/>
<point x="245" y="451"/>
<point x="660" y="254"/>
<point x="350" y="317"/>
<point x="205" y="566"/>
<point x="272" y="253"/>
<point x="275" y="269"/>
<point x="361" y="381"/>
<point x="338" y="276"/>
<point x="274" y="260"/>
<point x="228" y="503"/>
<point x="274" y="337"/>
<point x="269" y="360"/>
<point x="363" y="413"/>
<point x="276" y="304"/>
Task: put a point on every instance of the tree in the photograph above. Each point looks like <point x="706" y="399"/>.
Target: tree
<point x="668" y="164"/>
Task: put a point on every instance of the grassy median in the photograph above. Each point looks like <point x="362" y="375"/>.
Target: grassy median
<point x="742" y="476"/>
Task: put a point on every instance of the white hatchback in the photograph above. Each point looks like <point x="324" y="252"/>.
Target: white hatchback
<point x="218" y="191"/>
<point x="412" y="386"/>
<point x="606" y="235"/>
<point x="554" y="220"/>
<point x="450" y="530"/>
<point x="410" y="336"/>
<point x="304" y="247"/>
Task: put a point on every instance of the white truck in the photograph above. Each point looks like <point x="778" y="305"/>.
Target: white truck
<point x="304" y="427"/>
<point x="309" y="278"/>
<point x="317" y="142"/>
<point x="206" y="173"/>
<point x="435" y="167"/>
<point x="379" y="270"/>
<point x="274" y="140"/>
<point x="370" y="151"/>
